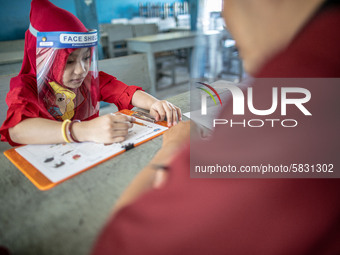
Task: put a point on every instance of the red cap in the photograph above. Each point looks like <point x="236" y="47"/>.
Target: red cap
<point x="46" y="17"/>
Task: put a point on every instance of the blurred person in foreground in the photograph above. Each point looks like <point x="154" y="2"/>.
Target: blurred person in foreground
<point x="167" y="212"/>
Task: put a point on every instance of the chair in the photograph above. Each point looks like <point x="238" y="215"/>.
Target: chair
<point x="104" y="26"/>
<point x="137" y="20"/>
<point x="183" y="20"/>
<point x="131" y="69"/>
<point x="144" y="29"/>
<point x="10" y="68"/>
<point x="154" y="20"/>
<point x="11" y="52"/>
<point x="119" y="21"/>
<point x="14" y="45"/>
<point x="166" y="24"/>
<point x="4" y="88"/>
<point x="116" y="39"/>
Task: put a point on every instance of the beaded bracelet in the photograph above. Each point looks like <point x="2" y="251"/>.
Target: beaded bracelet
<point x="70" y="131"/>
<point x="63" y="130"/>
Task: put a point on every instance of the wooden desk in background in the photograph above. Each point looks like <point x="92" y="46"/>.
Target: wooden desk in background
<point x="67" y="218"/>
<point x="152" y="44"/>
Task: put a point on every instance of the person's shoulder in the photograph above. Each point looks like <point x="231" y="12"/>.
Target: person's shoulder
<point x="313" y="52"/>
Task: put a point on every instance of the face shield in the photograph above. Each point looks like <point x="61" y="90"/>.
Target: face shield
<point x="67" y="74"/>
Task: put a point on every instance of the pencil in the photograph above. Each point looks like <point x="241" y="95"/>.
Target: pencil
<point x="139" y="123"/>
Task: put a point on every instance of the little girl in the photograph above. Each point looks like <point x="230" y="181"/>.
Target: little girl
<point x="55" y="98"/>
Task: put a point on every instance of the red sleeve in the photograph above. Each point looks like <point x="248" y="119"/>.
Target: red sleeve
<point x="22" y="103"/>
<point x="115" y="91"/>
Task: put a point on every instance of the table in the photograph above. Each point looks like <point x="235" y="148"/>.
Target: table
<point x="152" y="44"/>
<point x="67" y="218"/>
<point x="178" y="29"/>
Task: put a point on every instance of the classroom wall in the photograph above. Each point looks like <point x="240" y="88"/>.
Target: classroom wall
<point x="14" y="17"/>
<point x="14" y="14"/>
<point x="108" y="9"/>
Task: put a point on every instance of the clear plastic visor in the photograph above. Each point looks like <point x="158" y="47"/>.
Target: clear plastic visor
<point x="67" y="74"/>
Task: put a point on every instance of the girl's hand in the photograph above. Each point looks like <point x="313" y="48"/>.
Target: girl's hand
<point x="162" y="108"/>
<point x="110" y="128"/>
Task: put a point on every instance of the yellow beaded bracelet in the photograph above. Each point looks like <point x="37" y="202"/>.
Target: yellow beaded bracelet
<point x="63" y="130"/>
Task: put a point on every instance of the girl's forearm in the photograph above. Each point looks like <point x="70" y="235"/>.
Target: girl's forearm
<point x="104" y="129"/>
<point x="37" y="131"/>
<point x="142" y="100"/>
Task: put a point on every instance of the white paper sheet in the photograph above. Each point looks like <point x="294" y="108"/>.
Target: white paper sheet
<point x="59" y="161"/>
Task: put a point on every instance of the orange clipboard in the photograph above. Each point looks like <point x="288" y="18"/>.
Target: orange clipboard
<point x="41" y="181"/>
